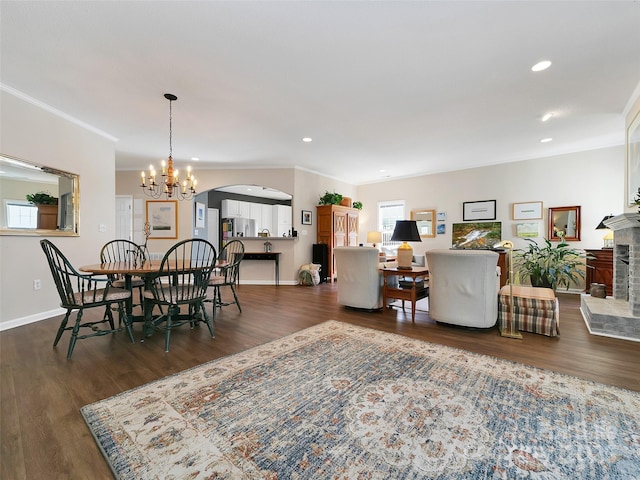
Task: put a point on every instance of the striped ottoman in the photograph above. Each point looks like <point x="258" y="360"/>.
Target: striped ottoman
<point x="534" y="309"/>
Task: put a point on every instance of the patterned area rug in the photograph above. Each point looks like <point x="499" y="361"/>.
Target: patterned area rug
<point x="339" y="401"/>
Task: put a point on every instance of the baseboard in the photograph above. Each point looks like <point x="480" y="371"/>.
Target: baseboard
<point x="18" y="322"/>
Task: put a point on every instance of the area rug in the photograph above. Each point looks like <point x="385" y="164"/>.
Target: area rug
<point x="340" y="401"/>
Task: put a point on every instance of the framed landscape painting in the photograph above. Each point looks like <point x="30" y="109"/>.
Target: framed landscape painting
<point x="162" y="216"/>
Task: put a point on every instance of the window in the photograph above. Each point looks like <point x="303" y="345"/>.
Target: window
<point x="21" y="214"/>
<point x="388" y="213"/>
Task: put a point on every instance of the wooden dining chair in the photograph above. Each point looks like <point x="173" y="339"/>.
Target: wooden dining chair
<point x="79" y="292"/>
<point x="181" y="281"/>
<point x="226" y="275"/>
<point x="128" y="252"/>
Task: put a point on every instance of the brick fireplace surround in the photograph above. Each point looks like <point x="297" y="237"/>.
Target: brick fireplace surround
<point x="619" y="316"/>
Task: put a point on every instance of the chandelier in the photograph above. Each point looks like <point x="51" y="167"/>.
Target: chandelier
<point x="169" y="185"/>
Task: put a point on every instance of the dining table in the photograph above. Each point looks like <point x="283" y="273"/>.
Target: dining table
<point x="147" y="270"/>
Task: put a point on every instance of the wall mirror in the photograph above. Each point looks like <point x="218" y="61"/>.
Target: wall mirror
<point x="564" y="222"/>
<point x="425" y="220"/>
<point x="18" y="216"/>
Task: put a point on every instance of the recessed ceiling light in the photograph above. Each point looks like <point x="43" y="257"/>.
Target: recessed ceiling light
<point x="195" y="159"/>
<point x="538" y="67"/>
<point x="546" y="140"/>
<point x="547" y="116"/>
<point x="382" y="171"/>
<point x="307" y="139"/>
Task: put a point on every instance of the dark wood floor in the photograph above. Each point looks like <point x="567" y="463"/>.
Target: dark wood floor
<point x="43" y="434"/>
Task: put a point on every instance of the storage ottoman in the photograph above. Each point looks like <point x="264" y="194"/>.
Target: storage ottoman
<point x="534" y="309"/>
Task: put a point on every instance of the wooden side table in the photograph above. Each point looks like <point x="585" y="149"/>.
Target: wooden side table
<point x="409" y="289"/>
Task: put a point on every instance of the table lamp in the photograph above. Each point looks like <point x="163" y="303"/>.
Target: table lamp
<point x="608" y="237"/>
<point x="405" y="231"/>
<point x="374" y="237"/>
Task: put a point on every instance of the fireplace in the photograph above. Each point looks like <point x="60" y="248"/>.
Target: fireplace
<point x="619" y="316"/>
<point x="626" y="259"/>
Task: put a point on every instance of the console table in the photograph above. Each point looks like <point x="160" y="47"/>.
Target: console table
<point x="272" y="256"/>
<point x="409" y="291"/>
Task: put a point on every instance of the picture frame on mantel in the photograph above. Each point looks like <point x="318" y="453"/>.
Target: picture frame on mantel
<point x="633" y="160"/>
<point x="480" y="210"/>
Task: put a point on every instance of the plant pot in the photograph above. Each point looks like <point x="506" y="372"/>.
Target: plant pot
<point x="346" y="202"/>
<point x="598" y="290"/>
<point x="541" y="282"/>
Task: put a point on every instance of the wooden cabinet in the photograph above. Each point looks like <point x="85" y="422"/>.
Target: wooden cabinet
<point x="48" y="217"/>
<point x="600" y="269"/>
<point x="337" y="227"/>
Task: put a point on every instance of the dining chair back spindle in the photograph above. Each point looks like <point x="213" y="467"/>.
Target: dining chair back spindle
<point x="182" y="280"/>
<point x="79" y="292"/>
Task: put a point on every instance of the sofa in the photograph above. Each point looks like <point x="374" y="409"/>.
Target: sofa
<point x="463" y="287"/>
<point x="359" y="277"/>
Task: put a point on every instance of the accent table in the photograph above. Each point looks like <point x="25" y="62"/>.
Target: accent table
<point x="411" y="291"/>
<point x="273" y="256"/>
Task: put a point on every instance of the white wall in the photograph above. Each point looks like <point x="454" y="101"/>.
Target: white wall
<point x="593" y="180"/>
<point x="34" y="133"/>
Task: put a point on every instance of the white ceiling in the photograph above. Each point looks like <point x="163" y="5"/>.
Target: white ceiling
<point x="410" y="87"/>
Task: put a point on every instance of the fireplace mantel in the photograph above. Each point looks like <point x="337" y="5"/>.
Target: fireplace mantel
<point x="626" y="220"/>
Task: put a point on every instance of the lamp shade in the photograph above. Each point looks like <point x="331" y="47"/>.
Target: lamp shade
<point x="406" y="231"/>
<point x="601" y="225"/>
<point x="374" y="237"/>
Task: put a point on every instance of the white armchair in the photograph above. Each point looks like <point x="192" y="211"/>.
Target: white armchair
<point x="463" y="287"/>
<point x="359" y="277"/>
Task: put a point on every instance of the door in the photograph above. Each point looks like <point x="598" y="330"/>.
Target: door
<point x="124" y="217"/>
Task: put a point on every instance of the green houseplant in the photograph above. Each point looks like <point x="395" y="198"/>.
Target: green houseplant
<point x="330" y="199"/>
<point x="42" y="198"/>
<point x="357" y="205"/>
<point x="549" y="266"/>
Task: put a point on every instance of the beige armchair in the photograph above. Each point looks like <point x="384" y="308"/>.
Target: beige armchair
<point x="463" y="287"/>
<point x="359" y="277"/>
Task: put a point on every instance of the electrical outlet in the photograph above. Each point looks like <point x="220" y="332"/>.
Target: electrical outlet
<point x="36" y="284"/>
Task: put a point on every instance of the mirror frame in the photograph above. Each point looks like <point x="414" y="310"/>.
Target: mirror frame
<point x="550" y="232"/>
<point x="419" y="216"/>
<point x="38" y="232"/>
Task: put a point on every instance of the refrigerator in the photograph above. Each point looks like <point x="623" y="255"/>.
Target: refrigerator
<point x="242" y="227"/>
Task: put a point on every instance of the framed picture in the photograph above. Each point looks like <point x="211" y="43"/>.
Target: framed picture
<point x="633" y="159"/>
<point x="527" y="230"/>
<point x="527" y="211"/>
<point x="441" y="216"/>
<point x="440" y="229"/>
<point x="306" y="217"/>
<point x="162" y="216"/>
<point x="481" y="210"/>
<point x="475" y="235"/>
<point x="200" y="223"/>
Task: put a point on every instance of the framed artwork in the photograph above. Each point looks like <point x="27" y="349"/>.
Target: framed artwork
<point x="633" y="159"/>
<point x="527" y="230"/>
<point x="476" y="235"/>
<point x="527" y="211"/>
<point x="200" y="223"/>
<point x="441" y="216"/>
<point x="162" y="216"/>
<point x="440" y="229"/>
<point x="306" y="217"/>
<point x="481" y="210"/>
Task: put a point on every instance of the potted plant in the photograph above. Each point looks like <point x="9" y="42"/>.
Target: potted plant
<point x="357" y="205"/>
<point x="548" y="265"/>
<point x="42" y="198"/>
<point x="330" y="199"/>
